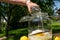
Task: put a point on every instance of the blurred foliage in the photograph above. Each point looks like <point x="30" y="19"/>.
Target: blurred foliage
<point x="3" y="26"/>
<point x="56" y="31"/>
<point x="15" y="12"/>
<point x="46" y="5"/>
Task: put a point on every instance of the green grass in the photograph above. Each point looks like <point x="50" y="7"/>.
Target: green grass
<point x="56" y="25"/>
<point x="18" y="31"/>
<point x="16" y="34"/>
<point x="2" y="34"/>
<point x="10" y="38"/>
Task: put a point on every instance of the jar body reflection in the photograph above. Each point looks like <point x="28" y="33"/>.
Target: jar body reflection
<point x="39" y="28"/>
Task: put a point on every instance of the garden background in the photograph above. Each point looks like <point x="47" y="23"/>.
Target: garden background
<point x="10" y="16"/>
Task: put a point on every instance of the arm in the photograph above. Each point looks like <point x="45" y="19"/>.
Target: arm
<point x="27" y="3"/>
<point x="18" y="2"/>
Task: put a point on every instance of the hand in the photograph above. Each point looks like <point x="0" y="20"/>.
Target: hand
<point x="30" y="5"/>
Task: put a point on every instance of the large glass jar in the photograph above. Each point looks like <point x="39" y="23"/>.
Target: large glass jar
<point x="39" y="26"/>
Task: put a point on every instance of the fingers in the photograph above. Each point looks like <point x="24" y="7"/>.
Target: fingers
<point x="33" y="4"/>
<point x="30" y="5"/>
<point x="29" y="9"/>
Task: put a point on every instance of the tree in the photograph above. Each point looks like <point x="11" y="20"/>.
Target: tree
<point x="46" y="5"/>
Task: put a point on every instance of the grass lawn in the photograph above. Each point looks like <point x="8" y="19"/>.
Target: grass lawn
<point x="55" y="25"/>
<point x="16" y="34"/>
<point x="2" y="34"/>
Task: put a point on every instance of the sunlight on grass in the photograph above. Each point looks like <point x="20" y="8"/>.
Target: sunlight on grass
<point x="56" y="25"/>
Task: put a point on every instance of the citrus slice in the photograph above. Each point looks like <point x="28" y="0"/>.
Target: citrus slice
<point x="39" y="34"/>
<point x="57" y="38"/>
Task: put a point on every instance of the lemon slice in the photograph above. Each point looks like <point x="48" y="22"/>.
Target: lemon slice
<point x="24" y="38"/>
<point x="36" y="32"/>
<point x="57" y="38"/>
<point x="39" y="34"/>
